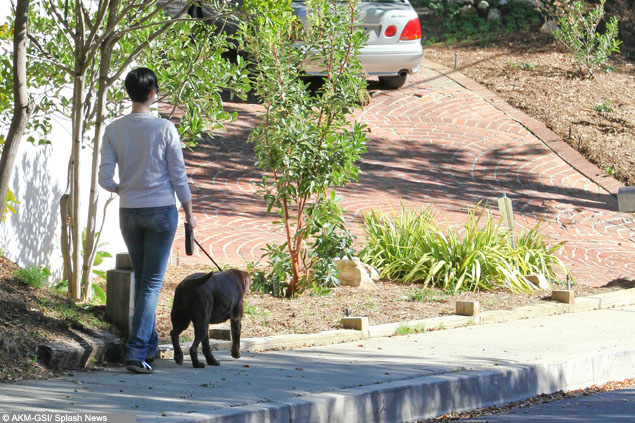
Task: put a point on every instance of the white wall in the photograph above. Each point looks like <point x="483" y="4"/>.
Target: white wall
<point x="32" y="235"/>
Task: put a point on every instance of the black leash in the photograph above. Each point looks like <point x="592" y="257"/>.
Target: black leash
<point x="210" y="257"/>
<point x="189" y="237"/>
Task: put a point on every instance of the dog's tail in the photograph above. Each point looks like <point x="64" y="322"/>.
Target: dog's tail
<point x="195" y="280"/>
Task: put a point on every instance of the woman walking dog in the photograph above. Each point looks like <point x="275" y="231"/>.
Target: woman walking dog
<point x="147" y="152"/>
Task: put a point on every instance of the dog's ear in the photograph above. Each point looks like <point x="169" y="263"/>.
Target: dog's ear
<point x="246" y="281"/>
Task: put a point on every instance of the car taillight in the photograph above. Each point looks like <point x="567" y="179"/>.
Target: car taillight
<point x="412" y="30"/>
<point x="390" y="31"/>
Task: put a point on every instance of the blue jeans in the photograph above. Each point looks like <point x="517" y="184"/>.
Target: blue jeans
<point x="148" y="233"/>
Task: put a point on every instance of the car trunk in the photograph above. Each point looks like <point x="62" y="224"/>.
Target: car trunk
<point x="374" y="17"/>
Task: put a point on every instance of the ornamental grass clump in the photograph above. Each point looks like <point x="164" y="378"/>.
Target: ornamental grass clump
<point x="480" y="255"/>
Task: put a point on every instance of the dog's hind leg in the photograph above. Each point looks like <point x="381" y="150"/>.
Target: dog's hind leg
<point x="200" y="333"/>
<point x="207" y="352"/>
<point x="235" y="328"/>
<point x="179" y="324"/>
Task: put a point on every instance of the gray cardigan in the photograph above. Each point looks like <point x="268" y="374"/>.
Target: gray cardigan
<point x="147" y="153"/>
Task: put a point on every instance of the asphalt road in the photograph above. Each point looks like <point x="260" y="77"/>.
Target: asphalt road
<point x="605" y="407"/>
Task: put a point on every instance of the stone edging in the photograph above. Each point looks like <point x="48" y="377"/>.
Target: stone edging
<point x="549" y="138"/>
<point x="622" y="298"/>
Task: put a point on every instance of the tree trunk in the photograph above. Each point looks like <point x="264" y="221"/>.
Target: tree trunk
<point x="92" y="238"/>
<point x="22" y="107"/>
<point x="295" y="259"/>
<point x="76" y="236"/>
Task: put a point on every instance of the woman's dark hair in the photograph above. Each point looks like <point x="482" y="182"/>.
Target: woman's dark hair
<point x="139" y="83"/>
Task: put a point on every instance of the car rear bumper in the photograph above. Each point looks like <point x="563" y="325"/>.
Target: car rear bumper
<point x="384" y="60"/>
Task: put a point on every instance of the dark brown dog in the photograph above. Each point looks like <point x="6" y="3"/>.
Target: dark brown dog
<point x="208" y="298"/>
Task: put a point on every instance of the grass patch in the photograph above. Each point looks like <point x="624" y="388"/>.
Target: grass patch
<point x="606" y="107"/>
<point x="253" y="311"/>
<point x="74" y="314"/>
<point x="33" y="275"/>
<point x="409" y="330"/>
<point x="427" y="295"/>
<point x="521" y="65"/>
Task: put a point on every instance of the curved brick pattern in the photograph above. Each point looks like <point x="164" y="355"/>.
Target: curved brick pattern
<point x="442" y="141"/>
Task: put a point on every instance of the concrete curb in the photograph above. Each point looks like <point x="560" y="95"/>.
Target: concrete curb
<point x="433" y="396"/>
<point x="622" y="298"/>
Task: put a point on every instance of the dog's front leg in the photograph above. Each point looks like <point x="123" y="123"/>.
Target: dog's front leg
<point x="235" y="328"/>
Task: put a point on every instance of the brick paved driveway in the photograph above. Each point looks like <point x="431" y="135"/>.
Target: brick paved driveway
<point x="441" y="140"/>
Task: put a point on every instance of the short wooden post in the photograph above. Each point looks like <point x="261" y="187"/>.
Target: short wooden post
<point x="564" y="296"/>
<point x="357" y="323"/>
<point x="468" y="308"/>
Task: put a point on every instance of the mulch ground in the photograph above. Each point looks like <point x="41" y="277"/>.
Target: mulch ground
<point x="533" y="73"/>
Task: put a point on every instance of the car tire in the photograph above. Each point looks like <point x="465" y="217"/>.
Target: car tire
<point x="392" y="82"/>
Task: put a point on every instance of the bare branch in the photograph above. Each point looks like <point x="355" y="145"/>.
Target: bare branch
<point x="101" y="16"/>
<point x="124" y="13"/>
<point x="137" y="51"/>
<point x="80" y="28"/>
<point x="86" y="15"/>
<point x="93" y="253"/>
<point x="61" y="20"/>
<point x="88" y="107"/>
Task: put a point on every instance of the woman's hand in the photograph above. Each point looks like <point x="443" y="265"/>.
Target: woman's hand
<point x="189" y="216"/>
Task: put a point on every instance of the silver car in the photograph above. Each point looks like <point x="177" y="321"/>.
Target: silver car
<point x="393" y="47"/>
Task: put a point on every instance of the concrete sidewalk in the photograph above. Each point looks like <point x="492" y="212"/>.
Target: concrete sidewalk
<point x="389" y="379"/>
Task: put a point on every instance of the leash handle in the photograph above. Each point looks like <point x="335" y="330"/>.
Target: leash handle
<point x="189" y="237"/>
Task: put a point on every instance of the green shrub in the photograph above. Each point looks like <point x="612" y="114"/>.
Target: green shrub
<point x="97" y="294"/>
<point x="519" y="15"/>
<point x="578" y="33"/>
<point x="273" y="280"/>
<point x="306" y="146"/>
<point x="465" y="27"/>
<point x="412" y="247"/>
<point x="329" y="240"/>
<point x="32" y="275"/>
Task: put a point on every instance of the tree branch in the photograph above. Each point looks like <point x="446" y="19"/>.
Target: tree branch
<point x="112" y="25"/>
<point x="101" y="15"/>
<point x="136" y="52"/>
<point x="47" y="57"/>
<point x="61" y="20"/>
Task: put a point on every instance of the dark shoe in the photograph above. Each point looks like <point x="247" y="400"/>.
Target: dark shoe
<point x="138" y="367"/>
<point x="150" y="357"/>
